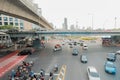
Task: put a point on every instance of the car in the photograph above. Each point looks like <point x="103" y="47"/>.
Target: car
<point x="85" y="47"/>
<point x="75" y="51"/>
<point x="111" y="57"/>
<point x="25" y="52"/>
<point x="63" y="43"/>
<point x="70" y="43"/>
<point x="92" y="73"/>
<point x="71" y="46"/>
<point x="118" y="52"/>
<point x="75" y="43"/>
<point x="57" y="47"/>
<point x="83" y="58"/>
<point x="110" y="67"/>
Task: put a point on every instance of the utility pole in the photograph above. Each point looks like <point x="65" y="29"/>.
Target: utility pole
<point x="115" y="22"/>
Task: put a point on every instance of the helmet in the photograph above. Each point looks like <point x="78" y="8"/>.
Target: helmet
<point x="56" y="65"/>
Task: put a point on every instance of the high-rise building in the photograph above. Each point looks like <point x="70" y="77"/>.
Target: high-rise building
<point x="72" y="27"/>
<point x="65" y="24"/>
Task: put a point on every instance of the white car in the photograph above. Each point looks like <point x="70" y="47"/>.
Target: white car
<point x="92" y="73"/>
<point x="85" y="47"/>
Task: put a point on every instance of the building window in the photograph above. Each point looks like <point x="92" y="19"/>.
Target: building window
<point x="21" y="27"/>
<point x="11" y="23"/>
<point x="5" y="18"/>
<point x="5" y="23"/>
<point x="16" y="20"/>
<point x="0" y="23"/>
<point x="0" y="18"/>
<point x="21" y="24"/>
<point x="16" y="24"/>
<point x="11" y="19"/>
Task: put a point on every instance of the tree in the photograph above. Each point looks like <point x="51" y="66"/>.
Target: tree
<point x="8" y="27"/>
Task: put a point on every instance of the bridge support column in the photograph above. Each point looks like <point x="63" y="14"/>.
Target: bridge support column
<point x="37" y="41"/>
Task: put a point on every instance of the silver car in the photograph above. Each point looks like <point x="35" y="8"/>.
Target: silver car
<point x="83" y="59"/>
<point x="75" y="51"/>
<point x="92" y="73"/>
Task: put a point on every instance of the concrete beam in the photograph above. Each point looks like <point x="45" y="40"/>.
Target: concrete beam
<point x="17" y="9"/>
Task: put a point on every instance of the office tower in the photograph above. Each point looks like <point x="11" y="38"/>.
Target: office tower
<point x="65" y="24"/>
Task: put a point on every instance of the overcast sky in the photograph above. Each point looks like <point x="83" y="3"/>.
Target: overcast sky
<point x="103" y="12"/>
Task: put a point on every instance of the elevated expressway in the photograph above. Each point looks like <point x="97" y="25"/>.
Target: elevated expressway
<point x="23" y="9"/>
<point x="49" y="33"/>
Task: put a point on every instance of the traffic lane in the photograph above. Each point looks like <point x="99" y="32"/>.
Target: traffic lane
<point x="42" y="59"/>
<point x="73" y="71"/>
<point x="46" y="58"/>
<point x="97" y="57"/>
<point x="118" y="68"/>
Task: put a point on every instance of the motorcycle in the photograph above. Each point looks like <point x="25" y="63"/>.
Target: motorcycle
<point x="55" y="68"/>
<point x="31" y="63"/>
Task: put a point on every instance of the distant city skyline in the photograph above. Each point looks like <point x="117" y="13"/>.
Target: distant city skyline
<point x="88" y="13"/>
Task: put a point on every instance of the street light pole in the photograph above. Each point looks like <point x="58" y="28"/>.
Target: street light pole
<point x="92" y="20"/>
<point x="115" y="21"/>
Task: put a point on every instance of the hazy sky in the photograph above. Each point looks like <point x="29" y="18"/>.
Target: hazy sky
<point x="82" y="11"/>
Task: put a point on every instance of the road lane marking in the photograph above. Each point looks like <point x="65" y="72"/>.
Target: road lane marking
<point x="62" y="73"/>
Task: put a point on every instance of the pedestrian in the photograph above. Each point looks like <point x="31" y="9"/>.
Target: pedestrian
<point x="13" y="74"/>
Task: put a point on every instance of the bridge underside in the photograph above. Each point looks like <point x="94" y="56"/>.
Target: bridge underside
<point x="17" y="9"/>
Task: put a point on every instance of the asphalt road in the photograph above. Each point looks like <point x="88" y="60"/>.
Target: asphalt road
<point x="46" y="59"/>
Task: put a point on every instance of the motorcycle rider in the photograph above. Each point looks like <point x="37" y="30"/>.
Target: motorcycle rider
<point x="56" y="68"/>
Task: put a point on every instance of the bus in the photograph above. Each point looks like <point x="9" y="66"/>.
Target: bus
<point x="5" y="40"/>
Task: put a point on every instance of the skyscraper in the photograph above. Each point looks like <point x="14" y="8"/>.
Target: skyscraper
<point x="65" y="25"/>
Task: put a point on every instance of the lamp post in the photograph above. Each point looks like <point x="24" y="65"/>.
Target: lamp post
<point x="115" y="22"/>
<point x="92" y="20"/>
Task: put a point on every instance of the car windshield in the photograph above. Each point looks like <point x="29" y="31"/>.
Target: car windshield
<point x="83" y="57"/>
<point x="94" y="74"/>
<point x="111" y="55"/>
<point x="74" y="50"/>
<point x="109" y="65"/>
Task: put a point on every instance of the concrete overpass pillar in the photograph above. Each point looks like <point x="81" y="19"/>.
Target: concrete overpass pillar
<point x="37" y="41"/>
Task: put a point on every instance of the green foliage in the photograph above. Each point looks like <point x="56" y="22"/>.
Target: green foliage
<point x="8" y="27"/>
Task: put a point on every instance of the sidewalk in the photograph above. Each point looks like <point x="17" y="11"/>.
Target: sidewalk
<point x="9" y="61"/>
